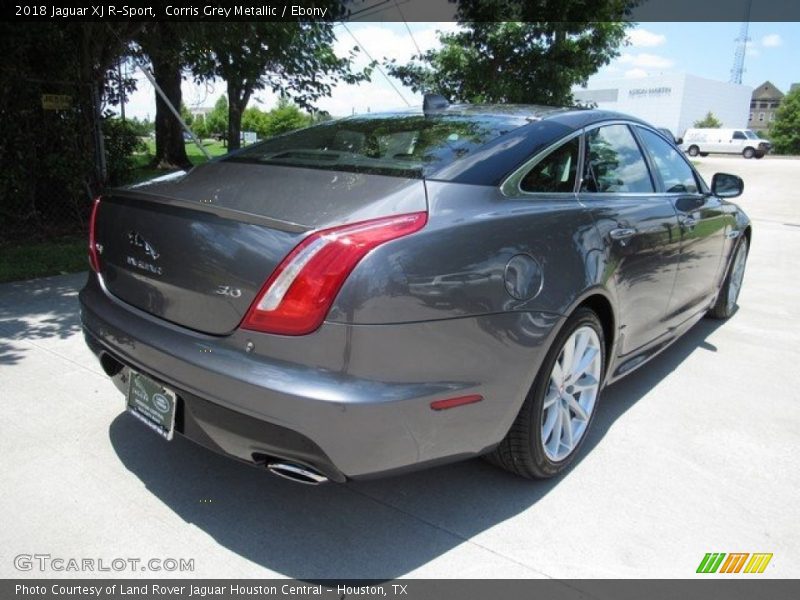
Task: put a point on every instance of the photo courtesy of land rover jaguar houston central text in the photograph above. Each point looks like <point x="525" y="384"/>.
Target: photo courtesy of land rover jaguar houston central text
<point x="392" y="291"/>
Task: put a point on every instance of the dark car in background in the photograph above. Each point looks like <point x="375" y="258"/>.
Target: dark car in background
<point x="392" y="291"/>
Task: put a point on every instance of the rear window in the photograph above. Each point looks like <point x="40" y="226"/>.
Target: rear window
<point x="403" y="145"/>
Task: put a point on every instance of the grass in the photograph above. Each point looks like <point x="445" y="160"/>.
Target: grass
<point x="143" y="170"/>
<point x="39" y="259"/>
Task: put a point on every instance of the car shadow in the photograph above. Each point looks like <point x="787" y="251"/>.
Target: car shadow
<point x="36" y="310"/>
<point x="366" y="529"/>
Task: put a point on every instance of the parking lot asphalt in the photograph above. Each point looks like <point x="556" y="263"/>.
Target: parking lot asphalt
<point x="693" y="453"/>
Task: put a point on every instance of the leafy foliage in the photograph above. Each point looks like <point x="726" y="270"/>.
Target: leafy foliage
<point x="216" y="122"/>
<point x="286" y="116"/>
<point x="49" y="173"/>
<point x="141" y="127"/>
<point x="709" y="121"/>
<point x="521" y="62"/>
<point x="785" y="129"/>
<point x="294" y="59"/>
<point x="121" y="141"/>
<point x="187" y="117"/>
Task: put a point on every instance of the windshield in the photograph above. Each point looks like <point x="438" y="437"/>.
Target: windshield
<point x="750" y="135"/>
<point x="402" y="145"/>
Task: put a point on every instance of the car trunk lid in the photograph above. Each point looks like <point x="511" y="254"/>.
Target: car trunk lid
<point x="195" y="249"/>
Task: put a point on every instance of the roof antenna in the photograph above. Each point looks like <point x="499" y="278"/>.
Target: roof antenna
<point x="434" y="102"/>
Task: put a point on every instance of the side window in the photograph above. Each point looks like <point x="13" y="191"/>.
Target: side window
<point x="614" y="163"/>
<point x="738" y="135"/>
<point x="675" y="172"/>
<point x="555" y="172"/>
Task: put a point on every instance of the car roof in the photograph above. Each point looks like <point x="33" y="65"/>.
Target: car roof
<point x="572" y="117"/>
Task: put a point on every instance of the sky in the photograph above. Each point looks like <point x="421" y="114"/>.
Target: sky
<point x="702" y="49"/>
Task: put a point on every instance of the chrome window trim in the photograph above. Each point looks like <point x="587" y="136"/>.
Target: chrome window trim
<point x="511" y="185"/>
<point x="698" y="180"/>
<point x="642" y="151"/>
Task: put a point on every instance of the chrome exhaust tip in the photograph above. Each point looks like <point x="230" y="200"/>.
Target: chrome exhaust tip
<point x="297" y="473"/>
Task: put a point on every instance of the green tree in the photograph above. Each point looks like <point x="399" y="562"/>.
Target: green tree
<point x="784" y="132"/>
<point x="187" y="116"/>
<point x="142" y="127"/>
<point x="121" y="141"/>
<point x="255" y="119"/>
<point x="709" y="121"/>
<point x="217" y="120"/>
<point x="291" y="58"/>
<point x="526" y="62"/>
<point x="50" y="168"/>
<point x="287" y="116"/>
<point x="199" y="127"/>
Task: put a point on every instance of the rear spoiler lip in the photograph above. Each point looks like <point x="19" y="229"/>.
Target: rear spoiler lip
<point x="129" y="194"/>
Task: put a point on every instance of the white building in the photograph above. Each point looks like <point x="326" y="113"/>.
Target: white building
<point x="674" y="101"/>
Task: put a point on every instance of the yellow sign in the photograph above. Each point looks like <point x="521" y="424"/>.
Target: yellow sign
<point x="56" y="101"/>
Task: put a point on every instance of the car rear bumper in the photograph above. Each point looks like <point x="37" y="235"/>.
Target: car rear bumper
<point x="348" y="400"/>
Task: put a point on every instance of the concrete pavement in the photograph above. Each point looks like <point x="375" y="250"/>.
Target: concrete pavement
<point x="694" y="453"/>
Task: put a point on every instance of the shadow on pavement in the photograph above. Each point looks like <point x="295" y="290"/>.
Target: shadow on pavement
<point x="36" y="310"/>
<point x="372" y="529"/>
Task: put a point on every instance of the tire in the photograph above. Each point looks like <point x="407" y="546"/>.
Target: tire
<point x="748" y="152"/>
<point x="729" y="291"/>
<point x="693" y="151"/>
<point x="759" y="155"/>
<point x="524" y="451"/>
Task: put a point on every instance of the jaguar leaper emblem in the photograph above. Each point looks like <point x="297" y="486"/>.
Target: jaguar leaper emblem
<point x="138" y="241"/>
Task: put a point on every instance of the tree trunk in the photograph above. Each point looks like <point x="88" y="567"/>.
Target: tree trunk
<point x="238" y="96"/>
<point x="170" y="147"/>
<point x="234" y="125"/>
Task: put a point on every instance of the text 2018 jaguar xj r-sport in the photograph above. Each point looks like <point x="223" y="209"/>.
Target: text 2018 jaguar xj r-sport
<point x="387" y="292"/>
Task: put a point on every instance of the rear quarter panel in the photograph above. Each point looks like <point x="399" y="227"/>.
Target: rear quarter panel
<point x="455" y="267"/>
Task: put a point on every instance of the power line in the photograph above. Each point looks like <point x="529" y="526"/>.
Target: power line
<point x="402" y="16"/>
<point x="377" y="66"/>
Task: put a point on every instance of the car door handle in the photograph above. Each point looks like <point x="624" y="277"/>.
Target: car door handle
<point x="622" y="233"/>
<point x="688" y="222"/>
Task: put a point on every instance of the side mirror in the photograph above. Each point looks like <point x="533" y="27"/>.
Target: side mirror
<point x="726" y="185"/>
<point x="678" y="141"/>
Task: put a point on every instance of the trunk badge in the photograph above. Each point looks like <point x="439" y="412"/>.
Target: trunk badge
<point x="137" y="241"/>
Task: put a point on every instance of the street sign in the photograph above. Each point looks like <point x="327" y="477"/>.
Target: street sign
<point x="56" y="101"/>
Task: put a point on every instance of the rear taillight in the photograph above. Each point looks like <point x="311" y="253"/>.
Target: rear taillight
<point x="94" y="254"/>
<point x="299" y="293"/>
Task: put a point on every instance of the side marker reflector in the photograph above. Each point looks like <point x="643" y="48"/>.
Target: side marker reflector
<point x="454" y="402"/>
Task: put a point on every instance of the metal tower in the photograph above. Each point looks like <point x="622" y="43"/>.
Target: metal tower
<point x="741" y="47"/>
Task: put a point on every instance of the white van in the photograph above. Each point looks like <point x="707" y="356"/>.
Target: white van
<point x="725" y="141"/>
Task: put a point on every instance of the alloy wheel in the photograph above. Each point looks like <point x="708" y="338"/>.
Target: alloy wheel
<point x="572" y="393"/>
<point x="737" y="275"/>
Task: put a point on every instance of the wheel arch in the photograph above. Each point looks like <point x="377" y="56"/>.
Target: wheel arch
<point x="748" y="233"/>
<point x="598" y="301"/>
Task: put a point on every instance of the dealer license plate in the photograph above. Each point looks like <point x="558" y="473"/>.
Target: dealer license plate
<point x="152" y="403"/>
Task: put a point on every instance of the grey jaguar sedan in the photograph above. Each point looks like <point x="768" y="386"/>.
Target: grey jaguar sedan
<point x="393" y="291"/>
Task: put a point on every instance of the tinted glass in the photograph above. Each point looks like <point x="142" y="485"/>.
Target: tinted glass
<point x="555" y="172"/>
<point x="675" y="172"/>
<point x="738" y="135"/>
<point x="614" y="163"/>
<point x="403" y="145"/>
